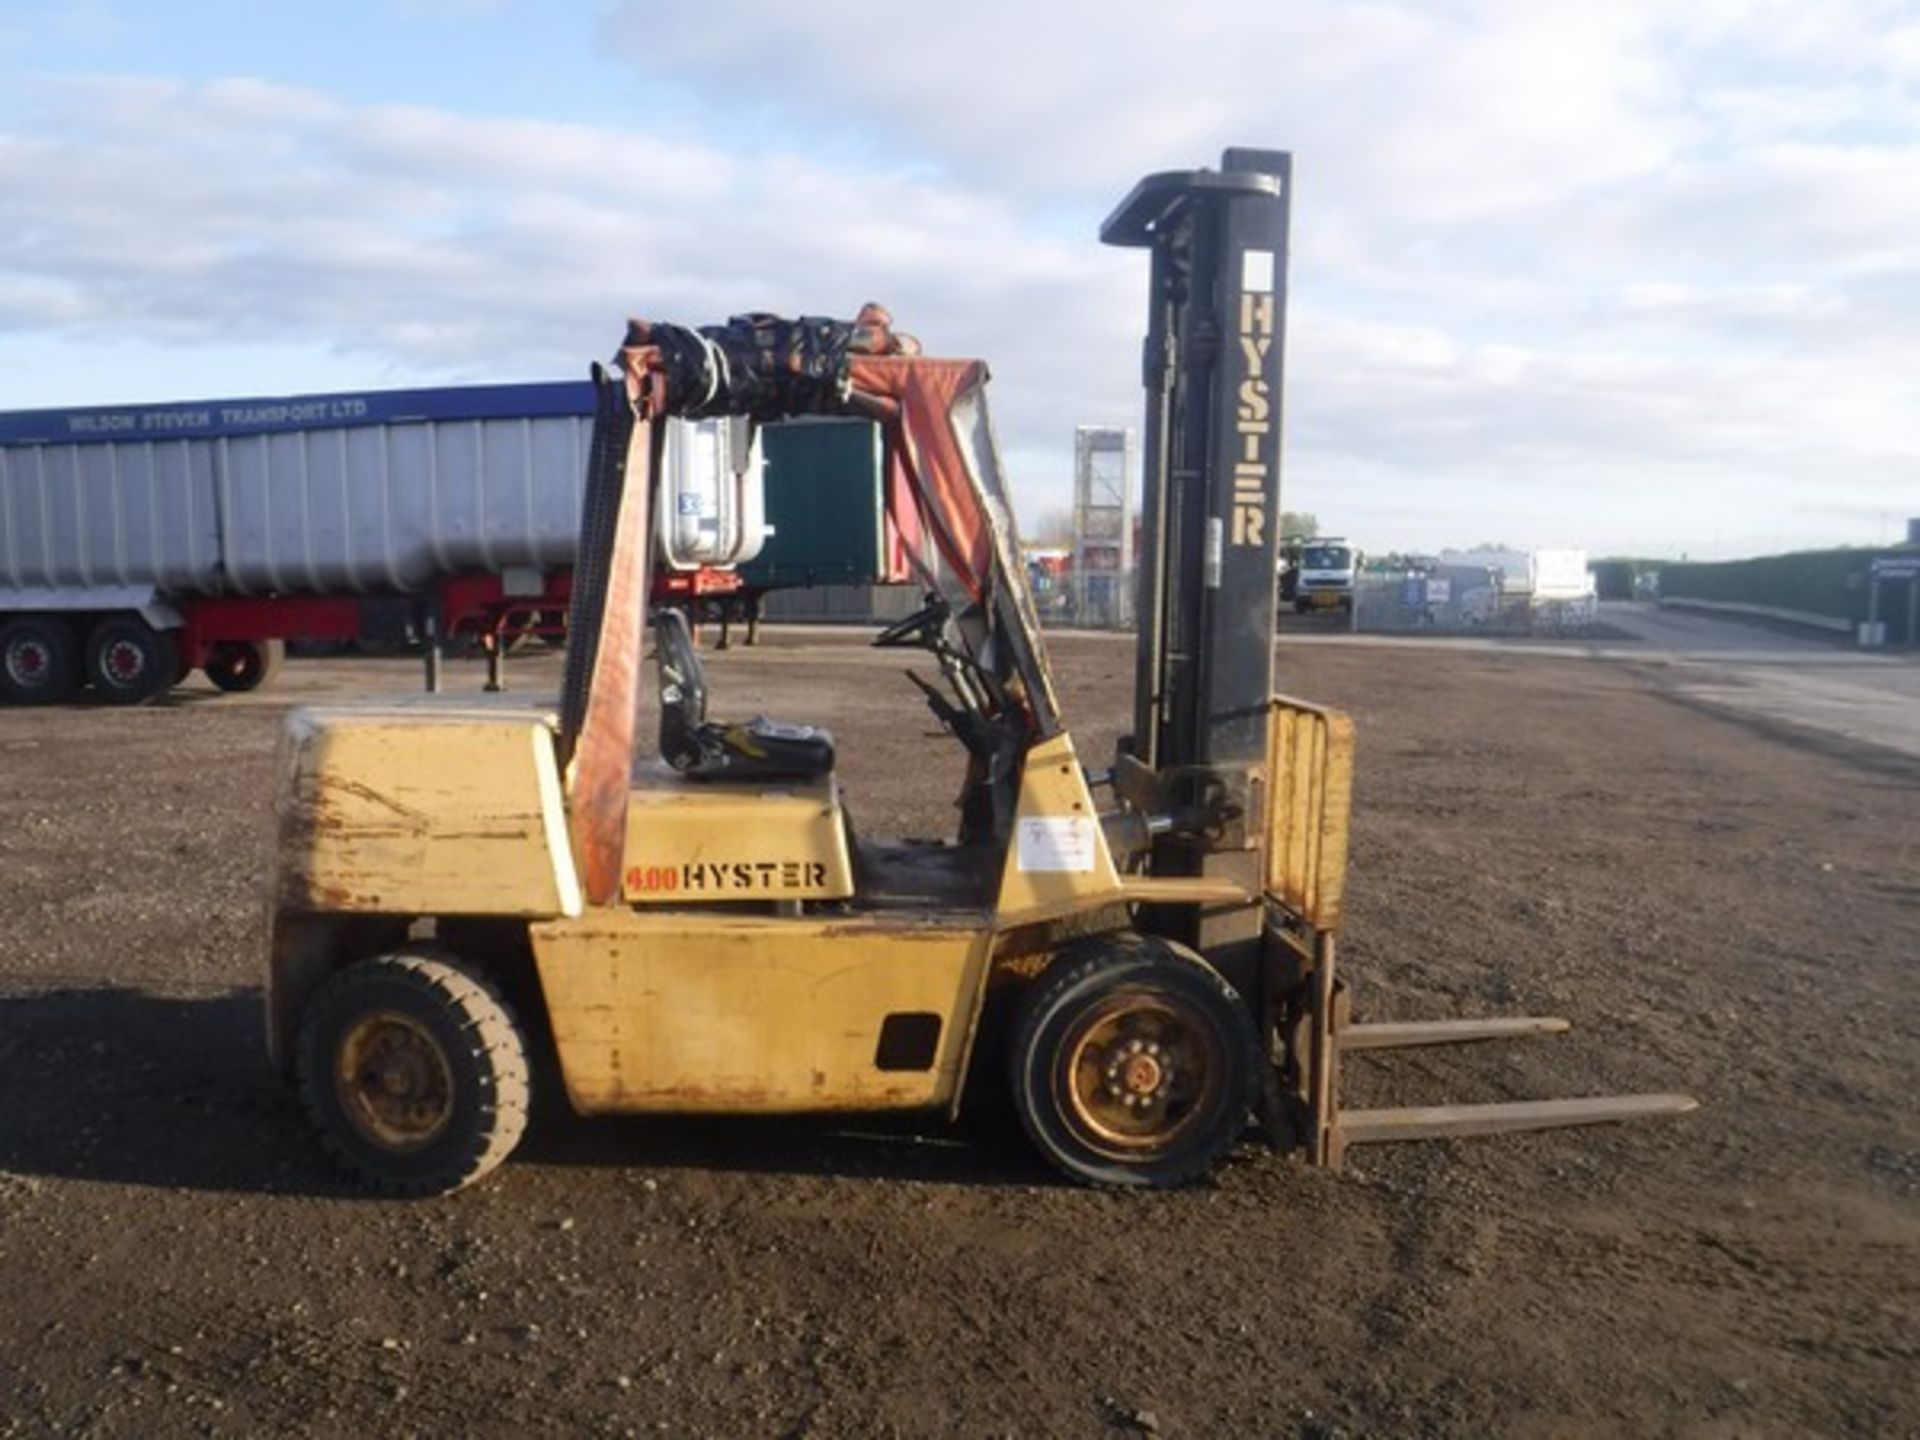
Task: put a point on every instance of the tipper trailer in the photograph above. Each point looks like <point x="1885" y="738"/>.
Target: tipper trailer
<point x="140" y="543"/>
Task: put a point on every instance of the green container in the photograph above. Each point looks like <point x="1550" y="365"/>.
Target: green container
<point x="825" y="498"/>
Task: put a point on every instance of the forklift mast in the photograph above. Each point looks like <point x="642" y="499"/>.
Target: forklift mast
<point x="1210" y="519"/>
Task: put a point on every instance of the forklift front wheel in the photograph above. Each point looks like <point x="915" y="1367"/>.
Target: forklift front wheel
<point x="1134" y="1064"/>
<point x="414" y="1072"/>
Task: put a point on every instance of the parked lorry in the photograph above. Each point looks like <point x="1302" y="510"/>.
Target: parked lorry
<point x="141" y="543"/>
<point x="1324" y="579"/>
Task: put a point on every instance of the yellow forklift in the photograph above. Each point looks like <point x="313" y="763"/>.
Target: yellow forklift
<point x="700" y="926"/>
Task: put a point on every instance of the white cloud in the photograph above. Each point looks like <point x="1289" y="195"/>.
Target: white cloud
<point x="499" y="248"/>
<point x="1635" y="275"/>
<point x="1427" y="108"/>
<point x="1547" y="255"/>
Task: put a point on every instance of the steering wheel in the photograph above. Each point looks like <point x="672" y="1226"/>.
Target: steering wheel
<point x="919" y="628"/>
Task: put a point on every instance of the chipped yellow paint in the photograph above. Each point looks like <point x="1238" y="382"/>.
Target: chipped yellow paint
<point x="1309" y="806"/>
<point x="691" y="842"/>
<point x="408" y="812"/>
<point x="696" y="1011"/>
<point x="1057" y="861"/>
<point x="663" y="1002"/>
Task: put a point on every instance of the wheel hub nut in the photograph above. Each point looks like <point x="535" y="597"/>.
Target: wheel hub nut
<point x="1143" y="1074"/>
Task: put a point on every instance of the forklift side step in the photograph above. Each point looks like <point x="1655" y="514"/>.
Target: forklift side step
<point x="1403" y="1035"/>
<point x="1437" y="1122"/>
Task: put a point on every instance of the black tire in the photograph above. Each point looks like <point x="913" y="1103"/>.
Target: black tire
<point x="129" y="662"/>
<point x="39" y="661"/>
<point x="414" y="1071"/>
<point x="237" y="666"/>
<point x="1134" y="1063"/>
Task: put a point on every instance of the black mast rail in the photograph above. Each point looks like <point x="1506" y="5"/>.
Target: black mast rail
<point x="1213" y="367"/>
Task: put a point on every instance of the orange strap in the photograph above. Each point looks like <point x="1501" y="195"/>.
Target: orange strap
<point x="601" y="776"/>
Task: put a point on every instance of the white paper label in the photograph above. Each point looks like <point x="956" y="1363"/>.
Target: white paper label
<point x="1256" y="271"/>
<point x="1055" y="843"/>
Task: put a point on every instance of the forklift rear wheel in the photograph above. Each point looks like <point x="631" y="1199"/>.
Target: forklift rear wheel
<point x="415" y="1073"/>
<point x="1134" y="1064"/>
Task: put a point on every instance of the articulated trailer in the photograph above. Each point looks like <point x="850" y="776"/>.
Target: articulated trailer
<point x="141" y="543"/>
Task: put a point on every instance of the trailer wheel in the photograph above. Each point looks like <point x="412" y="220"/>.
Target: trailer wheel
<point x="129" y="662"/>
<point x="236" y="666"/>
<point x="1134" y="1064"/>
<point x="39" y="661"/>
<point x="414" y="1071"/>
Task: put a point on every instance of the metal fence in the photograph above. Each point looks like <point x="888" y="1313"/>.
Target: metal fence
<point x="1465" y="604"/>
<point x="851" y="604"/>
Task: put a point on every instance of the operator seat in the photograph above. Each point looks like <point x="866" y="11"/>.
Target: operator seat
<point x="703" y="749"/>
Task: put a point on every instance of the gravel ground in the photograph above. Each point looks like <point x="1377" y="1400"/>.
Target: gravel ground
<point x="1720" y="909"/>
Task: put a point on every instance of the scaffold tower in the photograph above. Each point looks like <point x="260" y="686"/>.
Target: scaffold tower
<point x="1103" y="526"/>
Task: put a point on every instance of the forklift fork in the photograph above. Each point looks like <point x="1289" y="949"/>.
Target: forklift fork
<point x="1308" y="796"/>
<point x="1331" y="1129"/>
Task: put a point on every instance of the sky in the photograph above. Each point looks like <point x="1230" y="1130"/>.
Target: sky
<point x="1627" y="275"/>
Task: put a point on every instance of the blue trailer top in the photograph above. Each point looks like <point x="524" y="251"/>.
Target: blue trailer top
<point x="263" y="415"/>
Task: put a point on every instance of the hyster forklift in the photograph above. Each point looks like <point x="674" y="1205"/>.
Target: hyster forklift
<point x="1148" y="949"/>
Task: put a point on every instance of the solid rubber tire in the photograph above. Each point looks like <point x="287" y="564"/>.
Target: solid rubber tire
<point x="1073" y="983"/>
<point x="476" y="1032"/>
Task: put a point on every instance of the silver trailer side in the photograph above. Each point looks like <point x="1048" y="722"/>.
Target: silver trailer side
<point x="350" y="498"/>
<point x="119" y="525"/>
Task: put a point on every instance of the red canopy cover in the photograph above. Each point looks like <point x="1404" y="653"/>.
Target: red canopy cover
<point x="925" y="460"/>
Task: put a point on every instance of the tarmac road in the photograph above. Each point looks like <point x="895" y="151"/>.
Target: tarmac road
<point x="1769" y="675"/>
<point x="1759" y="673"/>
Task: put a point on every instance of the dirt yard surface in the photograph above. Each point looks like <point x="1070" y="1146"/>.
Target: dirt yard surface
<point x="1721" y="909"/>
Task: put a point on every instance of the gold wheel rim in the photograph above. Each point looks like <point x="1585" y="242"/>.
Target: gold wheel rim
<point x="1141" y="1071"/>
<point x="393" y="1081"/>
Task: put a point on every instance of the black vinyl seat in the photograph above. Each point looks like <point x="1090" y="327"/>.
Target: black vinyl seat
<point x="703" y="749"/>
